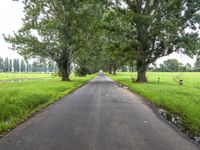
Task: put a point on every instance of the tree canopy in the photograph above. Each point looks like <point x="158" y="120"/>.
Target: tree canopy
<point x="108" y="34"/>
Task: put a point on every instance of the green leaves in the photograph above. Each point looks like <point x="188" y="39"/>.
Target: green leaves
<point x="118" y="31"/>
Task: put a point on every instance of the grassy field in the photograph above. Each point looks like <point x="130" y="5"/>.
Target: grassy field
<point x="183" y="101"/>
<point x="19" y="99"/>
<point x="22" y="76"/>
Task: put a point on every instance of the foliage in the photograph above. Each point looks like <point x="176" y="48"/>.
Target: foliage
<point x="49" y="31"/>
<point x="171" y="65"/>
<point x="93" y="35"/>
<point x="16" y="65"/>
<point x="197" y="64"/>
<point x="158" y="28"/>
<point x="115" y="45"/>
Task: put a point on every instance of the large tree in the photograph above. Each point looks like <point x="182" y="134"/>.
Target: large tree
<point x="48" y="31"/>
<point x="160" y="27"/>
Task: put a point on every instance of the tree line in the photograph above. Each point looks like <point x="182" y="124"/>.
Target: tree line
<point x="107" y="34"/>
<point x="20" y="65"/>
<point x="173" y="65"/>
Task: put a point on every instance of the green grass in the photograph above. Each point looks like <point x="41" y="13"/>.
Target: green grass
<point x="16" y="76"/>
<point x="183" y="101"/>
<point x="18" y="100"/>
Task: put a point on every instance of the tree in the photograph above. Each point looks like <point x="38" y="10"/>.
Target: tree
<point x="87" y="42"/>
<point x="158" y="28"/>
<point x="6" y="65"/>
<point x="23" y="66"/>
<point x="44" y="67"/>
<point x="27" y="66"/>
<point x="1" y="64"/>
<point x="197" y="65"/>
<point x="172" y="65"/>
<point x="16" y="65"/>
<point x="188" y="67"/>
<point x="11" y="66"/>
<point x="115" y="44"/>
<point x="34" y="66"/>
<point x="48" y="31"/>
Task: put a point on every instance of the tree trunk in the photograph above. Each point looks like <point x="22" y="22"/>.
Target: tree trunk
<point x="114" y="70"/>
<point x="65" y="75"/>
<point x="141" y="76"/>
<point x="141" y="72"/>
<point x="64" y="70"/>
<point x="82" y="71"/>
<point x="110" y="69"/>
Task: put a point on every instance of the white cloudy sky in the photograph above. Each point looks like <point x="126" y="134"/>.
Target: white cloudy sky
<point x="10" y="15"/>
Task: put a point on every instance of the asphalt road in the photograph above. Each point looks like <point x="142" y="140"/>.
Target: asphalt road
<point x="98" y="116"/>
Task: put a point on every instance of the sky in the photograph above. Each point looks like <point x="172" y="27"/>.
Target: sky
<point x="11" y="14"/>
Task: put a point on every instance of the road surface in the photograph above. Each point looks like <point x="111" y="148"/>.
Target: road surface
<point x="98" y="116"/>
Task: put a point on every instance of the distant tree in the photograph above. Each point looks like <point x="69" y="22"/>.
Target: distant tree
<point x="44" y="67"/>
<point x="23" y="66"/>
<point x="52" y="67"/>
<point x="183" y="68"/>
<point x="124" y="68"/>
<point x="170" y="65"/>
<point x="29" y="67"/>
<point x="16" y="65"/>
<point x="188" y="67"/>
<point x="39" y="66"/>
<point x="55" y="68"/>
<point x="197" y="65"/>
<point x="6" y="65"/>
<point x="116" y="45"/>
<point x="1" y="64"/>
<point x="11" y="65"/>
<point x="34" y="66"/>
<point x="162" y="68"/>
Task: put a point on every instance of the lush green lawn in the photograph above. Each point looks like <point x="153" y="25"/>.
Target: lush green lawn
<point x="183" y="101"/>
<point x="18" y="100"/>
